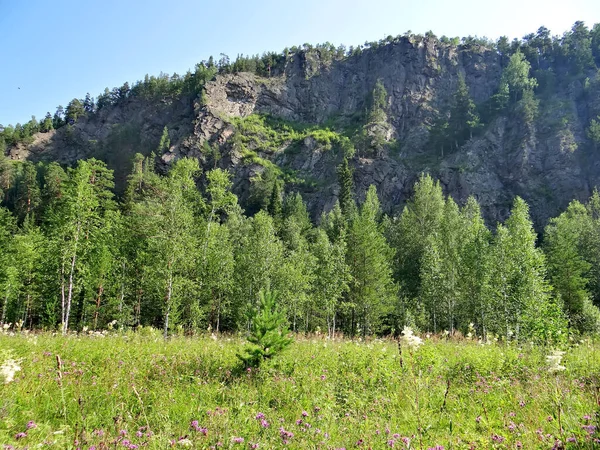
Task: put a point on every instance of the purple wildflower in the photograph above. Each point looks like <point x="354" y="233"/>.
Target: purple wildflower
<point x="497" y="438"/>
<point x="31" y="424"/>
<point x="238" y="440"/>
<point x="20" y="435"/>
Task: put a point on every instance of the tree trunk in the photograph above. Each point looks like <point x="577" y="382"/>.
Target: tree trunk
<point x="168" y="309"/>
<point x="4" y="304"/>
<point x="98" y="299"/>
<point x="71" y="275"/>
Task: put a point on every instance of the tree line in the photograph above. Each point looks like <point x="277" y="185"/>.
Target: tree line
<point x="552" y="59"/>
<point x="176" y="257"/>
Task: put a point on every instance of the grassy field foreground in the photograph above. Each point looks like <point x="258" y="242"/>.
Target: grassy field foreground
<point x="139" y="391"/>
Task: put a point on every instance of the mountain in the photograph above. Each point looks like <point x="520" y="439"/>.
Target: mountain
<point x="489" y="119"/>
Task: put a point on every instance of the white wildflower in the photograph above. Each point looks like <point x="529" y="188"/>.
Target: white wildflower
<point x="185" y="442"/>
<point x="411" y="339"/>
<point x="8" y="369"/>
<point x="554" y="360"/>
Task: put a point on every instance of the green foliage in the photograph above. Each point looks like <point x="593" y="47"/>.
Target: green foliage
<point x="568" y="269"/>
<point x="369" y="258"/>
<point x="165" y="142"/>
<point x="269" y="335"/>
<point x="593" y="131"/>
<point x="346" y="193"/>
<point x="516" y="76"/>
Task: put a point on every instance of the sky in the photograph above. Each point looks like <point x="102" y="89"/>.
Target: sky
<point x="52" y="52"/>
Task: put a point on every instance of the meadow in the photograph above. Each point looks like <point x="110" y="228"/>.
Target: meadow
<point x="138" y="390"/>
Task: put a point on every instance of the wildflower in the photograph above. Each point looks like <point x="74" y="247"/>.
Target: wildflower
<point x="123" y="433"/>
<point x="549" y="418"/>
<point x="238" y="440"/>
<point x="359" y="442"/>
<point x="497" y="438"/>
<point x="589" y="428"/>
<point x="478" y="419"/>
<point x="304" y="414"/>
<point x="253" y="446"/>
<point x="260" y="416"/>
<point x="264" y="423"/>
<point x="184" y="442"/>
<point x="519" y="444"/>
<point x="571" y="439"/>
<point x="437" y="447"/>
<point x="391" y="442"/>
<point x="8" y="369"/>
<point x="511" y="427"/>
<point x="521" y="403"/>
<point x="31" y="424"/>
<point x="410" y="338"/>
<point x="20" y="435"/>
<point x="139" y="434"/>
<point x="553" y="360"/>
<point x="285" y="434"/>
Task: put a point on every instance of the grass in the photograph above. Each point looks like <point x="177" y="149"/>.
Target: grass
<point x="262" y="133"/>
<point x="136" y="389"/>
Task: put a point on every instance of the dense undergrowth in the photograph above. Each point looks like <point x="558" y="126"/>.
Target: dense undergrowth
<point x="137" y="390"/>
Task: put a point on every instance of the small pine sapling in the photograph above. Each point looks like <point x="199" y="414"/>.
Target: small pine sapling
<point x="269" y="334"/>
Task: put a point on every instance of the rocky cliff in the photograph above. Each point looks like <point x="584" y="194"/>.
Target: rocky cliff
<point x="548" y="162"/>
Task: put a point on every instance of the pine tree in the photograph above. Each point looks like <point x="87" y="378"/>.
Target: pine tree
<point x="464" y="119"/>
<point x="269" y="335"/>
<point x="346" y="194"/>
<point x="165" y="142"/>
<point x="275" y="207"/>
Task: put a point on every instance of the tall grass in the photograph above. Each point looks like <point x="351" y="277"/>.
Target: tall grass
<point x="136" y="390"/>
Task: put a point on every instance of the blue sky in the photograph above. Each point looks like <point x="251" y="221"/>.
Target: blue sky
<point x="55" y="51"/>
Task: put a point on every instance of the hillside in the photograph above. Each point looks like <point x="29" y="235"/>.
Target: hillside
<point x="392" y="107"/>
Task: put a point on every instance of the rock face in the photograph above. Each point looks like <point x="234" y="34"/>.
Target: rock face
<point x="548" y="163"/>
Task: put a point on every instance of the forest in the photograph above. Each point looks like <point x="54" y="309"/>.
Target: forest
<point x="186" y="260"/>
<point x="177" y="251"/>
